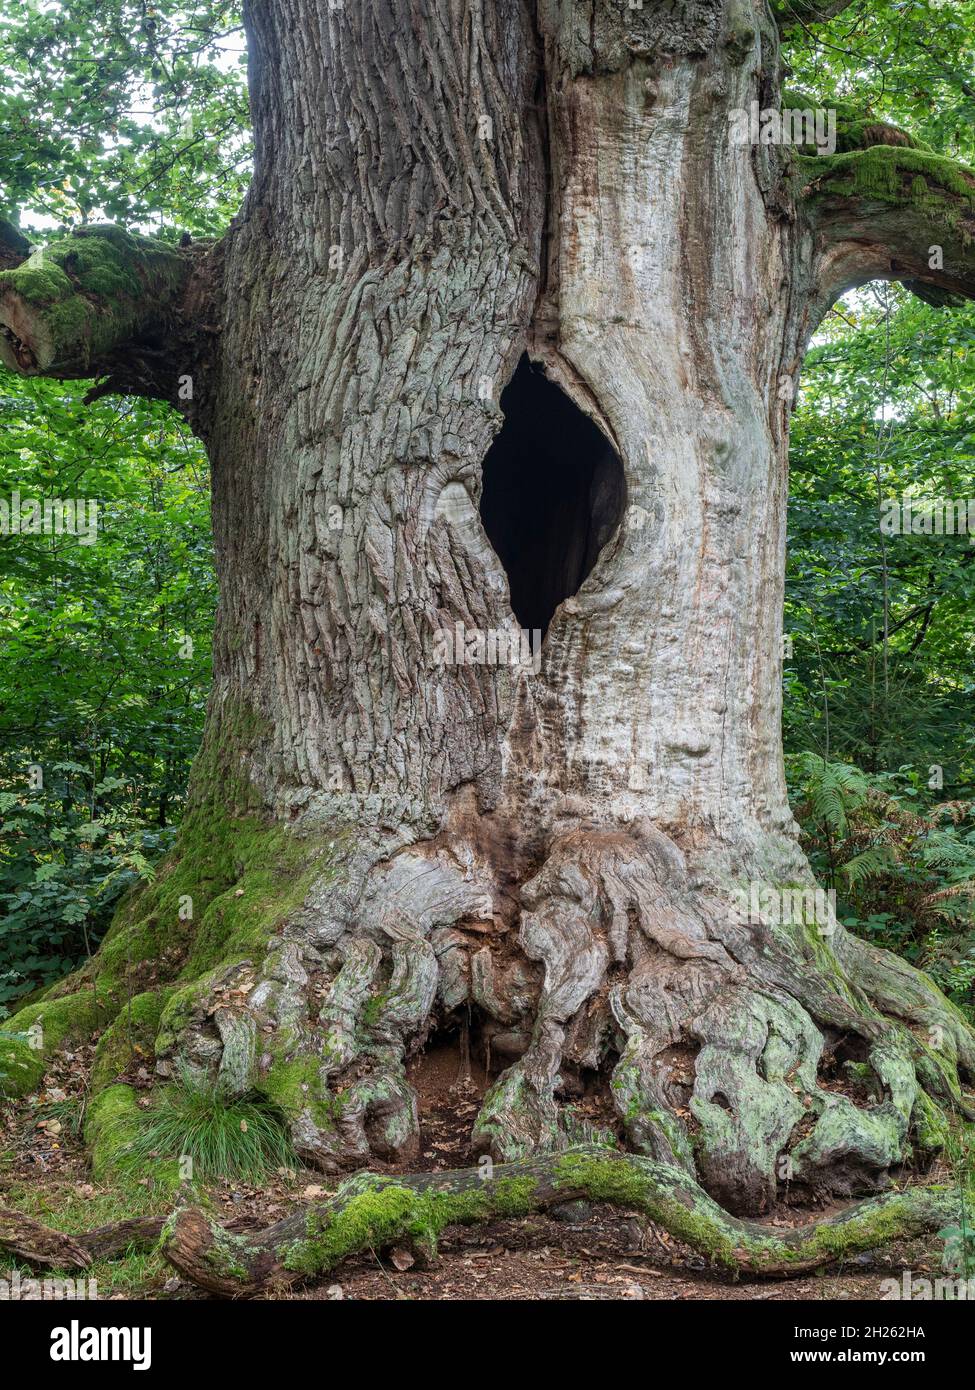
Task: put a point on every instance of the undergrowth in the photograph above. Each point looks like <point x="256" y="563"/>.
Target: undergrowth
<point x="244" y="1139"/>
<point x="902" y="864"/>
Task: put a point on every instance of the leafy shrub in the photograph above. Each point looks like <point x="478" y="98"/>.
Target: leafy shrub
<point x="903" y="867"/>
<point x="104" y="666"/>
<point x="62" y="872"/>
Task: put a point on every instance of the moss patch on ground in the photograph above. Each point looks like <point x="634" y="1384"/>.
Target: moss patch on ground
<point x="21" y="1067"/>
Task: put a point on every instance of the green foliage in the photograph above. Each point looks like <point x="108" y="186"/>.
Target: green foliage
<point x="905" y="61"/>
<point x="62" y="874"/>
<point x="104" y="666"/>
<point x="243" y="1139"/>
<point x="878" y="684"/>
<point x="880" y="673"/>
<point x="121" y="111"/>
<point x="111" y="110"/>
<point x="902" y="866"/>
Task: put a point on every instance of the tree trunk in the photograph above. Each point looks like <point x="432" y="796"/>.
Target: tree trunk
<point x="399" y="831"/>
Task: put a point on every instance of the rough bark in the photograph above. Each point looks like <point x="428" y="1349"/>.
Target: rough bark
<point x="40" y="1245"/>
<point x="382" y="845"/>
<point x="27" y="1239"/>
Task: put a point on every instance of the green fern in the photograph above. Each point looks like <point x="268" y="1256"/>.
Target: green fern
<point x="873" y="862"/>
<point x="834" y="790"/>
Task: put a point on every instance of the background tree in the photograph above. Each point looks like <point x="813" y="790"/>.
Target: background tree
<point x="381" y="843"/>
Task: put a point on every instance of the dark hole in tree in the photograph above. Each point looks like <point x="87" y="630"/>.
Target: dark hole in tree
<point x="553" y="495"/>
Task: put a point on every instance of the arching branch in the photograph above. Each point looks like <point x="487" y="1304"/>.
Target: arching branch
<point x="893" y="213"/>
<point x="104" y="302"/>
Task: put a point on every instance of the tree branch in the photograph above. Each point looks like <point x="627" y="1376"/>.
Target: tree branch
<point x="14" y="246"/>
<point x="27" y="1240"/>
<point x="790" y="13"/>
<point x="371" y="1212"/>
<point x="894" y="213"/>
<point x="103" y="302"/>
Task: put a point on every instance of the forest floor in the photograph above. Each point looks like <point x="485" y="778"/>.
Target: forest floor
<point x="577" y="1252"/>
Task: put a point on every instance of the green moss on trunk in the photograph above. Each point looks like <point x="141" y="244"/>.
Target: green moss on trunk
<point x="72" y="304"/>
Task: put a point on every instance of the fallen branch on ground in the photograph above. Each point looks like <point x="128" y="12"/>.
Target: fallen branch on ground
<point x="26" y="1239"/>
<point x="372" y="1212"/>
<point x="39" y="1245"/>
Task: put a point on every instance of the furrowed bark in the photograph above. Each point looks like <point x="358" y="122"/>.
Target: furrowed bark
<point x="372" y="1213"/>
<point x="120" y="1237"/>
<point x="36" y="1244"/>
<point x="101" y="302"/>
<point x="46" y="1248"/>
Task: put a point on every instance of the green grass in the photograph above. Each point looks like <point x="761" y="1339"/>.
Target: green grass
<point x="69" y="1113"/>
<point x="960" y="1239"/>
<point x="64" y="1207"/>
<point x="242" y="1139"/>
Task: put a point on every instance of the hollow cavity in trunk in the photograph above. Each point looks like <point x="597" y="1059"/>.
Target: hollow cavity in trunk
<point x="553" y="495"/>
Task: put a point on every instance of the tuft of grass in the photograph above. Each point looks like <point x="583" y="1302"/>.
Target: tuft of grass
<point x="243" y="1139"/>
<point x="69" y="1113"/>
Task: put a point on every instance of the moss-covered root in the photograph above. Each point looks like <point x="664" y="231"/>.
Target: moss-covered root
<point x="370" y="1212"/>
<point x="32" y="1036"/>
<point x="21" y="1067"/>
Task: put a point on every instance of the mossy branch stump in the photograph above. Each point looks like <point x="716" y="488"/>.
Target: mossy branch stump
<point x="99" y="301"/>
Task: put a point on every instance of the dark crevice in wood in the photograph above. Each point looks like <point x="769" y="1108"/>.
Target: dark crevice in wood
<point x="554" y="493"/>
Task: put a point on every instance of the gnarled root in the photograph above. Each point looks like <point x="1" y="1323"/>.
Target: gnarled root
<point x="764" y="1057"/>
<point x="372" y="1212"/>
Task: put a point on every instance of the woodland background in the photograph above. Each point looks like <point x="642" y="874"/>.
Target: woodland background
<point x="137" y="113"/>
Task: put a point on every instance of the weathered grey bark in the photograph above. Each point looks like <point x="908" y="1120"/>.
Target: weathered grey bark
<point x="438" y="189"/>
